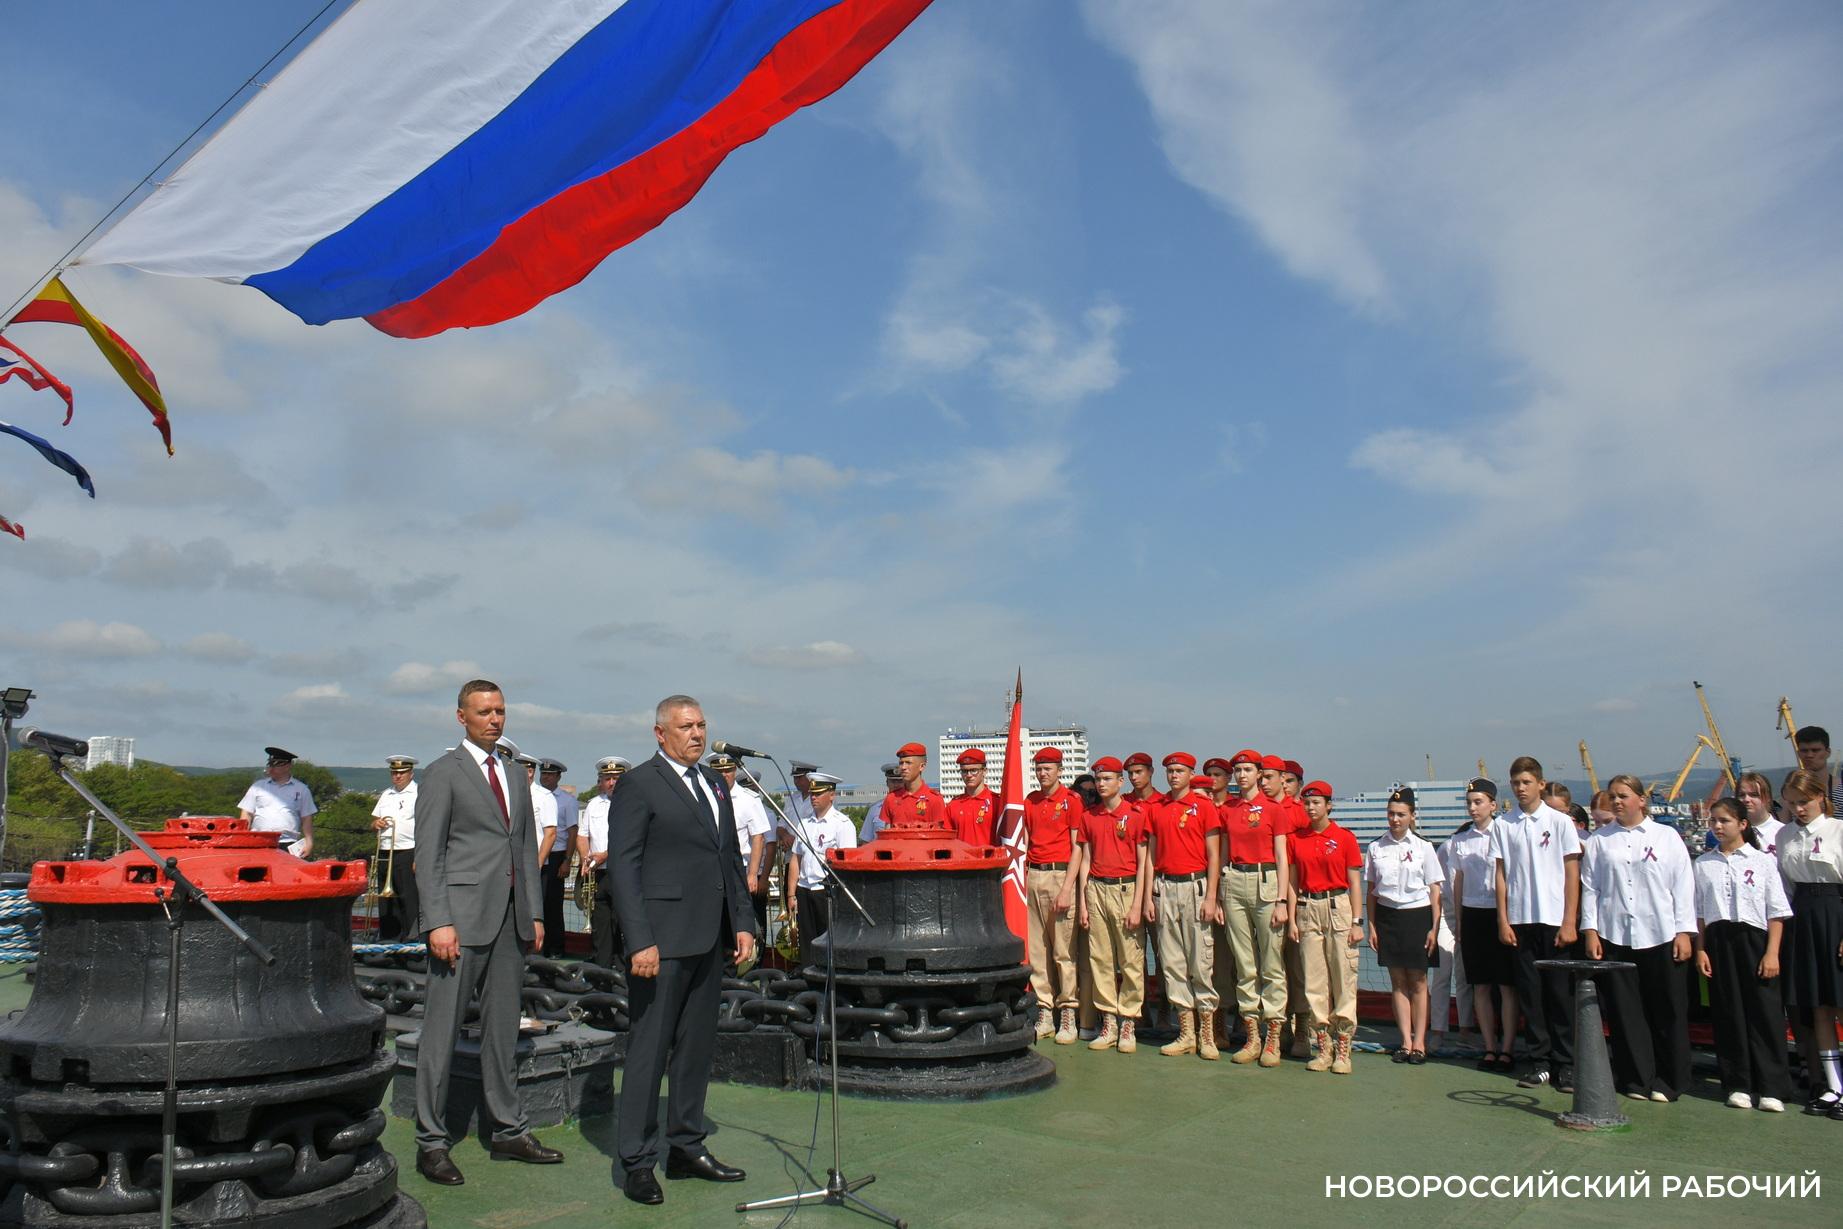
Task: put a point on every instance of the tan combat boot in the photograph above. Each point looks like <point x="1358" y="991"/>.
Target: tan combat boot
<point x="1206" y="1035"/>
<point x="1340" y="1061"/>
<point x="1270" y="1048"/>
<point x="1065" y="1030"/>
<point x="1186" y="1042"/>
<point x="1303" y="1036"/>
<point x="1251" y="1048"/>
<point x="1321" y="1042"/>
<point x="1221" y="1032"/>
<point x="1128" y="1041"/>
<point x="1108" y="1037"/>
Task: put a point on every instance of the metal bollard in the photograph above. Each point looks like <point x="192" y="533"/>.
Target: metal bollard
<point x="1596" y="1101"/>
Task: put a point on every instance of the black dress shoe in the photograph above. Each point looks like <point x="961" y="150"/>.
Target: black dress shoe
<point x="707" y="1167"/>
<point x="434" y="1164"/>
<point x="524" y="1148"/>
<point x="642" y="1187"/>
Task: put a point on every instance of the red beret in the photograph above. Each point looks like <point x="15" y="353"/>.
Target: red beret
<point x="1292" y="766"/>
<point x="908" y="749"/>
<point x="972" y="755"/>
<point x="1316" y="789"/>
<point x="1181" y="757"/>
<point x="1216" y="762"/>
<point x="1138" y="757"/>
<point x="1245" y="757"/>
<point x="1108" y="763"/>
<point x="1048" y="755"/>
<point x="1274" y="762"/>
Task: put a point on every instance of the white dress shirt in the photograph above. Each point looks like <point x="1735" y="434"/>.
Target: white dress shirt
<point x="486" y="761"/>
<point x="543" y="812"/>
<point x="1402" y="873"/>
<point x="1813" y="852"/>
<point x="595" y="822"/>
<point x="278" y="807"/>
<point x="827" y="832"/>
<point x="1740" y="887"/>
<point x="751" y="819"/>
<point x="1470" y="865"/>
<point x="399" y="805"/>
<point x="1768" y="832"/>
<point x="703" y="786"/>
<point x="1534" y="848"/>
<point x="1638" y="888"/>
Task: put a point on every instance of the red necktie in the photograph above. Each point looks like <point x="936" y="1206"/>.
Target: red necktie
<point x="492" y="779"/>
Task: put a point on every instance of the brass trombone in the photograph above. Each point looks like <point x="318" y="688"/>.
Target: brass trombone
<point x="379" y="884"/>
<point x="585" y="893"/>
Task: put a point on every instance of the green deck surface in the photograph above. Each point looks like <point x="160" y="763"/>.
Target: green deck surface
<point x="1147" y="1140"/>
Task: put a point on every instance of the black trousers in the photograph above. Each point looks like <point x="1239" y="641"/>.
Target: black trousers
<point x="1749" y="1017"/>
<point x="554" y="866"/>
<point x="674" y="1034"/>
<point x="605" y="928"/>
<point x="1548" y="996"/>
<point x="397" y="914"/>
<point x="1647" y="1011"/>
<point x="814" y="913"/>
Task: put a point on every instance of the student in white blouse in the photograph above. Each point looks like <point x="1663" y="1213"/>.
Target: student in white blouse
<point x="1811" y="860"/>
<point x="1490" y="966"/>
<point x="1404" y="878"/>
<point x="1638" y="904"/>
<point x="1740" y="915"/>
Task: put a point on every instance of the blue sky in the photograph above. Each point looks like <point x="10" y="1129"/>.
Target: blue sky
<point x="1354" y="383"/>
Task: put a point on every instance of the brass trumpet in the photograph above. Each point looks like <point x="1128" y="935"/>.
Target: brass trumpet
<point x="585" y="890"/>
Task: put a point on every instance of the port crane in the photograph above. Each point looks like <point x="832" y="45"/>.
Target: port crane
<point x="1714" y="738"/>
<point x="1786" y="723"/>
<point x="1593" y="778"/>
<point x="1703" y="743"/>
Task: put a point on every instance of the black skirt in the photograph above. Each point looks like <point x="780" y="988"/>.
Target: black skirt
<point x="1812" y="974"/>
<point x="1401" y="938"/>
<point x="1487" y="961"/>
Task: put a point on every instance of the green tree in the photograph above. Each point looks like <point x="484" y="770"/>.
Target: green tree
<point x="342" y="828"/>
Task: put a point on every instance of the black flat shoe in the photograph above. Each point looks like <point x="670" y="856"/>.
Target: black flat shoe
<point x="642" y="1187"/>
<point x="1400" y="1056"/>
<point x="707" y="1167"/>
<point x="435" y="1165"/>
<point x="525" y="1148"/>
<point x="1417" y="1057"/>
<point x="1489" y="1061"/>
<point x="1506" y="1062"/>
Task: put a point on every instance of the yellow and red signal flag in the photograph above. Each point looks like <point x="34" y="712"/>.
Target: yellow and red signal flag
<point x="55" y="304"/>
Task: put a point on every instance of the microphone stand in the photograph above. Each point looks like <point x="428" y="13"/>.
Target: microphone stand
<point x="172" y="900"/>
<point x="839" y="1191"/>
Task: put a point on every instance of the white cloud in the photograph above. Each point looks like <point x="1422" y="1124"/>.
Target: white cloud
<point x="219" y="647"/>
<point x="819" y="655"/>
<point x="315" y="699"/>
<point x="86" y="638"/>
<point x="414" y="678"/>
<point x="1428" y="461"/>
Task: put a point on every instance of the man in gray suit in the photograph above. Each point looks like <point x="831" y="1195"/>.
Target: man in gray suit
<point x="477" y="874"/>
<point x="675" y="872"/>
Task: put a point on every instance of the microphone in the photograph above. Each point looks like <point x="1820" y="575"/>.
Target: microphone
<point x="55" y="745"/>
<point x="738" y="750"/>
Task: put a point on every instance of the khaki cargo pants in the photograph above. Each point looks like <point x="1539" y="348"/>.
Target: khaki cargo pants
<point x="1051" y="940"/>
<point x="1116" y="951"/>
<point x="1186" y="948"/>
<point x="1330" y="962"/>
<point x="1260" y="967"/>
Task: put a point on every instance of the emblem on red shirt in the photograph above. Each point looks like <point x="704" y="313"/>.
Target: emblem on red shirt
<point x="1119" y="829"/>
<point x="1331" y="845"/>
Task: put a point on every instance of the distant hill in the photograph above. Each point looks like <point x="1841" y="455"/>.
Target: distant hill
<point x="365" y="780"/>
<point x="1695" y="788"/>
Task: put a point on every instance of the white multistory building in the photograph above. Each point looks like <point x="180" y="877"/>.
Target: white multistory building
<point x="110" y="749"/>
<point x="1071" y="740"/>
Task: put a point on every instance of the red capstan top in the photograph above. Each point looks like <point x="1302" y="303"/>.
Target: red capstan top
<point x="918" y="844"/>
<point x="219" y="854"/>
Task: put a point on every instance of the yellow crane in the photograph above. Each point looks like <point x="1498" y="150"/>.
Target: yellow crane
<point x="1715" y="742"/>
<point x="1481" y="767"/>
<point x="1703" y="743"/>
<point x="1593" y="778"/>
<point x="1785" y="723"/>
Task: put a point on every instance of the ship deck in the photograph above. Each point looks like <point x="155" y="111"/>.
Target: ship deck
<point x="1143" y="1139"/>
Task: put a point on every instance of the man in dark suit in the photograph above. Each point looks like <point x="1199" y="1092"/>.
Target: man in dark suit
<point x="676" y="876"/>
<point x="477" y="875"/>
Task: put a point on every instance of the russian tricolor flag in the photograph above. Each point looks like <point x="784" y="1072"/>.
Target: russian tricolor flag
<point x="438" y="166"/>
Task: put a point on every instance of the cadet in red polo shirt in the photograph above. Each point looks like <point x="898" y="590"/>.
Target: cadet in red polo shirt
<point x="1146" y="796"/>
<point x="1115" y="880"/>
<point x="1052" y="868"/>
<point x="1254" y="903"/>
<point x="1184" y="905"/>
<point x="913" y="801"/>
<point x="1328" y="881"/>
<point x="1218" y="775"/>
<point x="1298" y="1013"/>
<point x="973" y="810"/>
